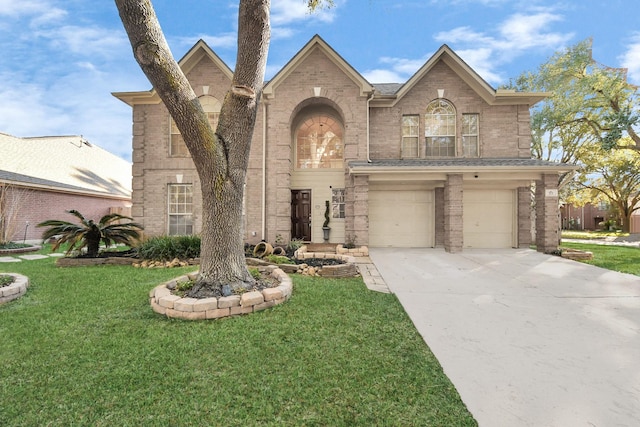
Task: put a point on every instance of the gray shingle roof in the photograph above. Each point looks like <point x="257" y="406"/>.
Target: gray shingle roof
<point x="462" y="163"/>
<point x="64" y="162"/>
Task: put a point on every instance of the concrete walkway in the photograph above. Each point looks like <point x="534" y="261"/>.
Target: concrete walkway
<point x="528" y="339"/>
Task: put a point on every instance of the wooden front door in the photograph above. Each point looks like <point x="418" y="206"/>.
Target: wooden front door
<point x="301" y="215"/>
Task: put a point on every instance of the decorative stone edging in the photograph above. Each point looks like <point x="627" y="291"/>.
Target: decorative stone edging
<point x="164" y="302"/>
<point x="362" y="251"/>
<point x="14" y="290"/>
<point x="20" y="250"/>
<point x="348" y="269"/>
<point x="576" y="254"/>
<point x="80" y="262"/>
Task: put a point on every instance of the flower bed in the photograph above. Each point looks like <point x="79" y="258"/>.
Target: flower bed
<point x="14" y="290"/>
<point x="164" y="302"/>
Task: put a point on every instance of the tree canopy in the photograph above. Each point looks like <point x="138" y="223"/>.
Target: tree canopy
<point x="589" y="119"/>
<point x="588" y="103"/>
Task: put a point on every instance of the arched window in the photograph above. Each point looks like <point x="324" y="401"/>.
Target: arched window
<point x="319" y="143"/>
<point x="212" y="107"/>
<point x="440" y="129"/>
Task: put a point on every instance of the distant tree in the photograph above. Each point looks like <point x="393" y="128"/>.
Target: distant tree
<point x="12" y="200"/>
<point x="89" y="234"/>
<point x="611" y="176"/>
<point x="220" y="155"/>
<point x="589" y="104"/>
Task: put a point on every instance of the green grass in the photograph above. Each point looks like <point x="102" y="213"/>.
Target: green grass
<point x="83" y="347"/>
<point x="617" y="258"/>
<point x="590" y="235"/>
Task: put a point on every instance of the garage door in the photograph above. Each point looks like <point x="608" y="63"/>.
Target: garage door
<point x="401" y="218"/>
<point x="488" y="218"/>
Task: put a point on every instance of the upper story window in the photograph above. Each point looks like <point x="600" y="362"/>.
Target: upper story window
<point x="211" y="107"/>
<point x="470" y="135"/>
<point x="410" y="131"/>
<point x="440" y="129"/>
<point x="319" y="143"/>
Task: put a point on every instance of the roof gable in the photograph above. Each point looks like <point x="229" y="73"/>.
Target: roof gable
<point x="188" y="62"/>
<point x="490" y="95"/>
<point x="317" y="42"/>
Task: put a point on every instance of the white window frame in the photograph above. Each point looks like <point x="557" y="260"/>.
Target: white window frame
<point x="211" y="106"/>
<point x="182" y="210"/>
<point x="324" y="151"/>
<point x="440" y="129"/>
<point x="410" y="136"/>
<point x="471" y="135"/>
<point x="337" y="203"/>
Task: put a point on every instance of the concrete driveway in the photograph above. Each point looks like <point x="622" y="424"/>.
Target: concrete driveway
<point x="527" y="339"/>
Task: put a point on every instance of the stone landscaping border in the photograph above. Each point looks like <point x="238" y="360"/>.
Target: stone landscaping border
<point x="20" y="250"/>
<point x="14" y="290"/>
<point x="576" y="254"/>
<point x="348" y="269"/>
<point x="164" y="302"/>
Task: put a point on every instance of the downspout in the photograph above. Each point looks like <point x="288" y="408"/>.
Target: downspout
<point x="264" y="171"/>
<point x="369" y="127"/>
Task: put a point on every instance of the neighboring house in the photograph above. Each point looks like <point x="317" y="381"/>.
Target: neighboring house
<point x="590" y="216"/>
<point x="442" y="160"/>
<point x="587" y="217"/>
<point x="43" y="177"/>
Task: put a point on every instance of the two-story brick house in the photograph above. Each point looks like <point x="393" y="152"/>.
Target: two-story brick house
<point x="442" y="160"/>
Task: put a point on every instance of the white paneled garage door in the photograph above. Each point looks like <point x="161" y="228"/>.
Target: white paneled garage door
<point x="401" y="218"/>
<point x="488" y="218"/>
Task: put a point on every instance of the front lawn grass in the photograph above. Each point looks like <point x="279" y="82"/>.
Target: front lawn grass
<point x="617" y="258"/>
<point x="591" y="235"/>
<point x="83" y="347"/>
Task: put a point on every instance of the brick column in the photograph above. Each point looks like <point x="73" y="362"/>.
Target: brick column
<point x="547" y="210"/>
<point x="453" y="213"/>
<point x="358" y="225"/>
<point x="524" y="217"/>
<point x="439" y="219"/>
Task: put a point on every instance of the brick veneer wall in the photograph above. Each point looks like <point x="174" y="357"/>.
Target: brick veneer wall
<point x="40" y="205"/>
<point x="504" y="130"/>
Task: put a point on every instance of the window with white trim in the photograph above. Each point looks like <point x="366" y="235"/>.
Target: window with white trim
<point x="440" y="129"/>
<point x="319" y="143"/>
<point x="180" y="209"/>
<point x="337" y="202"/>
<point x="470" y="135"/>
<point x="211" y="107"/>
<point x="410" y="131"/>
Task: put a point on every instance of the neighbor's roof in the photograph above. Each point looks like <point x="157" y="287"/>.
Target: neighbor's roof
<point x="63" y="163"/>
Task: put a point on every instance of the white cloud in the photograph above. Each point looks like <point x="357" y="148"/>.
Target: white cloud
<point x="631" y="59"/>
<point x="514" y="37"/>
<point x="40" y="11"/>
<point x="383" y="76"/>
<point x="86" y="41"/>
<point x="285" y="12"/>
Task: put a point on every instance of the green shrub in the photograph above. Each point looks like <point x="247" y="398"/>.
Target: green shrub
<point x="278" y="259"/>
<point x="255" y="273"/>
<point x="166" y="248"/>
<point x="6" y="280"/>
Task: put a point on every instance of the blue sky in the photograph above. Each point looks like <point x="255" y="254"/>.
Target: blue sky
<point x="61" y="59"/>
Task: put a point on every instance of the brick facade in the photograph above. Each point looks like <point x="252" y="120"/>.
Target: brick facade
<point x="318" y="81"/>
<point x="37" y="206"/>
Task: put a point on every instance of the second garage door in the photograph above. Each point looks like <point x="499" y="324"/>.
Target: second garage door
<point x="488" y="218"/>
<point x="401" y="218"/>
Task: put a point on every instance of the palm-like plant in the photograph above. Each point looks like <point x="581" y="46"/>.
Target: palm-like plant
<point x="89" y="234"/>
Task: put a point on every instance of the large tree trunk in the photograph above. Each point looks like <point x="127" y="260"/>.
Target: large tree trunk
<point x="220" y="156"/>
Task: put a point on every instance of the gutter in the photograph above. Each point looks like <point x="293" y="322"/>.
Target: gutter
<point x="369" y="127"/>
